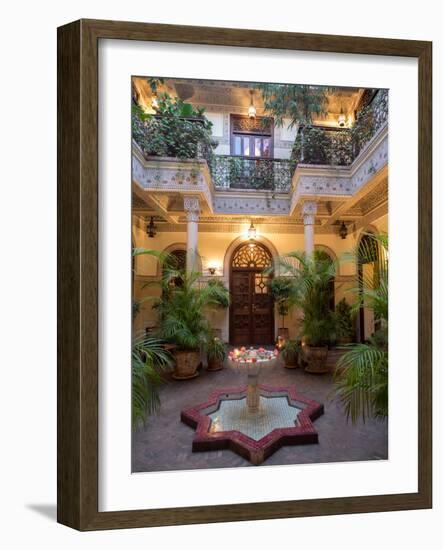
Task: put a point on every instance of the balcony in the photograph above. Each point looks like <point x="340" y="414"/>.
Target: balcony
<point x="341" y="146"/>
<point x="176" y="163"/>
<point x="233" y="172"/>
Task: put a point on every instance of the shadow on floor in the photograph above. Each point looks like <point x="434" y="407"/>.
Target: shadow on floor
<point x="49" y="511"/>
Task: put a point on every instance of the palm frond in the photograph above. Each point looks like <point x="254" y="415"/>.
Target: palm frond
<point x="149" y="359"/>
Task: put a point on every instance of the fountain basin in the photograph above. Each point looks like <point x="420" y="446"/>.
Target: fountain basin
<point x="224" y="421"/>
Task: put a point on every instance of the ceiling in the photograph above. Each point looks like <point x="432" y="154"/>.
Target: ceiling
<point x="236" y="95"/>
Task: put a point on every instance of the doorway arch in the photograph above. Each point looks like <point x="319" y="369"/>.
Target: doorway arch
<point x="251" y="314"/>
<point x="368" y="264"/>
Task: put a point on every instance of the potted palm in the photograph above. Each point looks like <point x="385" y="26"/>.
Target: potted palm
<point x="345" y="328"/>
<point x="183" y="321"/>
<point x="216" y="352"/>
<point x="280" y="289"/>
<point x="290" y="353"/>
<point x="221" y="304"/>
<point x="361" y="377"/>
<point x="310" y="292"/>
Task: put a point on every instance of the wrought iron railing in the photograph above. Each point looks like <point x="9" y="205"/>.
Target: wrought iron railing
<point x="232" y="172"/>
<point x="340" y="147"/>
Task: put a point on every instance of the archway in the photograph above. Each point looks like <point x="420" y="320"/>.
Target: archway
<point x="252" y="308"/>
<point x="368" y="263"/>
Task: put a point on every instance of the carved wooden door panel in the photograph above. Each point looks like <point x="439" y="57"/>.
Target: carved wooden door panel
<point x="252" y="308"/>
<point x="262" y="311"/>
<point x="241" y="308"/>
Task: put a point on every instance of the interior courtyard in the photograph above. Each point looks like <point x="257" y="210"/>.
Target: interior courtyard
<point x="267" y="186"/>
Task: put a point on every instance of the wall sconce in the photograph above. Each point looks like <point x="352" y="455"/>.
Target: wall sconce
<point x="343" y="230"/>
<point x="151" y="229"/>
<point x="213" y="267"/>
<point x="252" y="111"/>
<point x="252" y="232"/>
<point x="342" y="118"/>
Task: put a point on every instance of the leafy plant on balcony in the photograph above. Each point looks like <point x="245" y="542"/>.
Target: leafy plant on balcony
<point x="176" y="129"/>
<point x="369" y="120"/>
<point x="297" y="102"/>
<point x="319" y="146"/>
<point x="237" y="172"/>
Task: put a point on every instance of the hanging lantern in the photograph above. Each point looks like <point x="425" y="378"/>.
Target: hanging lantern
<point x="252" y="232"/>
<point x="151" y="229"/>
<point x="343" y="230"/>
<point x="252" y="111"/>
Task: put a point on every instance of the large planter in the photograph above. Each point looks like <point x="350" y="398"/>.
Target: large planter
<point x="186" y="364"/>
<point x="291" y="361"/>
<point x="215" y="364"/>
<point x="283" y="333"/>
<point x="316" y="359"/>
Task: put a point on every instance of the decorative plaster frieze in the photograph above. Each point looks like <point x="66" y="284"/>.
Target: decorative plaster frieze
<point x="330" y="181"/>
<point x="174" y="176"/>
<point x="246" y="205"/>
<point x="371" y="161"/>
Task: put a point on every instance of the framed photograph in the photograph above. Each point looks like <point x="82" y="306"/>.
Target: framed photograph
<point x="244" y="275"/>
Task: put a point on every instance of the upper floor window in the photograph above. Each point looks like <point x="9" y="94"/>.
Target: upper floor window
<point x="252" y="137"/>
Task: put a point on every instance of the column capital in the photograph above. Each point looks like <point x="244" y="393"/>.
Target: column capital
<point x="309" y="210"/>
<point x="191" y="205"/>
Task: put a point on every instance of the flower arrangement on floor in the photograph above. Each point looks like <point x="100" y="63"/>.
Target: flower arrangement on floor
<point x="252" y="355"/>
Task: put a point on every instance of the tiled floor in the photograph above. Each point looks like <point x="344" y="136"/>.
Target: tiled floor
<point x="165" y="443"/>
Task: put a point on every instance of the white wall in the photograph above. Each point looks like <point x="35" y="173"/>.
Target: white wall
<point x="28" y="229"/>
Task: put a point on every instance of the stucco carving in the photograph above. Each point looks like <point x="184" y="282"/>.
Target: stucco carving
<point x="191" y="206"/>
<point x="309" y="210"/>
<point x="246" y="205"/>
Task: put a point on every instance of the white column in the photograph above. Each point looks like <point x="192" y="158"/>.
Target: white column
<point x="309" y="210"/>
<point x="192" y="209"/>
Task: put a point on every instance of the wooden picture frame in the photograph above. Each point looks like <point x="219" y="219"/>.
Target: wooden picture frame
<point x="78" y="275"/>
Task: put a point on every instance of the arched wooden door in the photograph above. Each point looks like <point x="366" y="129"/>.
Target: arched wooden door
<point x="252" y="307"/>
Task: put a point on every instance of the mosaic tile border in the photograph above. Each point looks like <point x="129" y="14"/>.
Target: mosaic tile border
<point x="256" y="451"/>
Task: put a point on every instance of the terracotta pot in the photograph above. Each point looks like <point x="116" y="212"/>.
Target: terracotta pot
<point x="186" y="364"/>
<point x="217" y="333"/>
<point x="291" y="362"/>
<point x="215" y="364"/>
<point x="284" y="333"/>
<point x="316" y="359"/>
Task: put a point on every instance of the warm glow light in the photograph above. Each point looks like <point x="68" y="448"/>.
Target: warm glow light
<point x="213" y="267"/>
<point x="252" y="111"/>
<point x="148" y="110"/>
<point x="342" y="119"/>
<point x="154" y="103"/>
<point x="252" y="232"/>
